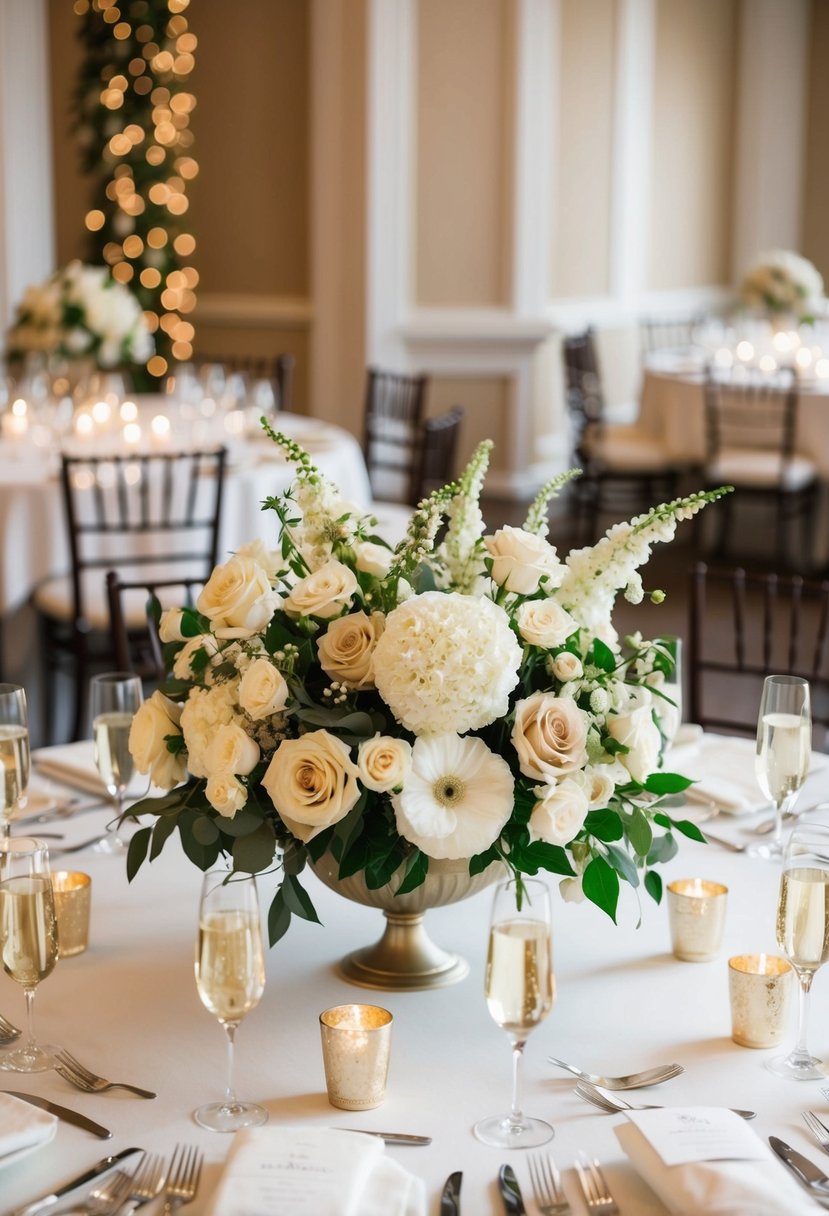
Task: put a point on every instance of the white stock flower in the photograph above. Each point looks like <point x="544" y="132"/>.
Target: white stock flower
<point x="312" y="782"/>
<point x="324" y="593"/>
<point x="154" y="721"/>
<point x="522" y="561"/>
<point x="559" y="813"/>
<point x="238" y="597"/>
<point x="225" y="794"/>
<point x="446" y="663"/>
<point x="636" y="729"/>
<point x="545" y="623"/>
<point x="384" y="763"/>
<point x="271" y="560"/>
<point x="456" y="799"/>
<point x="262" y="690"/>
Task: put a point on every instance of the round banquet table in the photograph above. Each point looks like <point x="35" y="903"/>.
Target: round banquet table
<point x="128" y="1008"/>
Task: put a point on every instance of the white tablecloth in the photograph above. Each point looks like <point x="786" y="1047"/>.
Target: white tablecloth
<point x="129" y="1009"/>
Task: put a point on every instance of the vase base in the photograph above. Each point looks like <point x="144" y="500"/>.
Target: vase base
<point x="403" y="960"/>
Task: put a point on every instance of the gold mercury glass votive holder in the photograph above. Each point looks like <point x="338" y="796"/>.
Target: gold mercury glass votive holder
<point x="696" y="912"/>
<point x="760" y="988"/>
<point x="356" y="1041"/>
<point x="73" y="896"/>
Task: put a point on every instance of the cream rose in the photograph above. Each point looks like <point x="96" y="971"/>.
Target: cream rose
<point x="549" y="735"/>
<point x="312" y="782"/>
<point x="545" y="623"/>
<point x="372" y="558"/>
<point x="154" y="721"/>
<point x="599" y="782"/>
<point x="521" y="561"/>
<point x="232" y="750"/>
<point x="346" y="649"/>
<point x="205" y="710"/>
<point x="384" y="763"/>
<point x="325" y="593"/>
<point x="262" y="690"/>
<point x="183" y="665"/>
<point x="225" y="794"/>
<point x="637" y="730"/>
<point x="238" y="598"/>
<point x="559" y="813"/>
<point x="169" y="626"/>
<point x="567" y="666"/>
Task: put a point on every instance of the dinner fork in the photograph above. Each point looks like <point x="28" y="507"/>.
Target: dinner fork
<point x="594" y="1187"/>
<point x="546" y="1182"/>
<point x="147" y="1182"/>
<point x="182" y="1178"/>
<point x="613" y="1104"/>
<point x="818" y="1129"/>
<point x="76" y="1074"/>
<point x="107" y="1198"/>
<point x="636" y="1080"/>
<point x="8" y="1032"/>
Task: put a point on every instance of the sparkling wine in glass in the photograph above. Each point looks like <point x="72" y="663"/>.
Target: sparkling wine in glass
<point x="230" y="978"/>
<point x="114" y="699"/>
<point x="784" y="744"/>
<point x="520" y="990"/>
<point x="803" y="934"/>
<point x="28" y="938"/>
<point x="14" y="752"/>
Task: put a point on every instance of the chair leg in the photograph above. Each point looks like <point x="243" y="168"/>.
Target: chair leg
<point x="47" y="681"/>
<point x="81" y="677"/>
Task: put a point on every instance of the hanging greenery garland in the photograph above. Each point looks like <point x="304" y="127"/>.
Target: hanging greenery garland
<point x="132" y="112"/>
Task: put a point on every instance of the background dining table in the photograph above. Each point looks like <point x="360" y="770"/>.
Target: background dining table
<point x="128" y="1009"/>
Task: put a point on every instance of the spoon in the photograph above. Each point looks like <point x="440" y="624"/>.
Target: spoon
<point x="767" y="825"/>
<point x="650" y="1076"/>
<point x="609" y="1102"/>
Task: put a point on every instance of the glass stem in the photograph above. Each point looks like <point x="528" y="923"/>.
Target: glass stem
<point x="118" y="799"/>
<point x="778" y="826"/>
<point x="516" y="1114"/>
<point x="31" y="1043"/>
<point x="801" y="1049"/>
<point x="230" y="1093"/>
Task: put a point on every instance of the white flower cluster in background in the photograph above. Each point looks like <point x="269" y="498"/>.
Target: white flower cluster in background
<point x="782" y="282"/>
<point x="81" y="312"/>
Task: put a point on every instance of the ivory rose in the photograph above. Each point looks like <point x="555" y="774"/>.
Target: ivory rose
<point x="346" y="649"/>
<point x="384" y="762"/>
<point x="232" y="751"/>
<point x="324" y="593"/>
<point x="521" y="561"/>
<point x="225" y="794"/>
<point x="545" y="623"/>
<point x="155" y="720"/>
<point x="169" y="626"/>
<point x="636" y="729"/>
<point x="262" y="690"/>
<point x="238" y="598"/>
<point x="372" y="558"/>
<point x="312" y="782"/>
<point x="559" y="813"/>
<point x="567" y="666"/>
<point x="549" y="735"/>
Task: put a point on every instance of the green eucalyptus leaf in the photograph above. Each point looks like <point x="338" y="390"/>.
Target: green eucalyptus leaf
<point x="600" y="884"/>
<point x="243" y="822"/>
<point x="667" y="783"/>
<point x="162" y="830"/>
<point x="663" y="849"/>
<point x="297" y="900"/>
<point x="604" y="824"/>
<point x="623" y="864"/>
<point x="639" y="832"/>
<point x="137" y="851"/>
<point x="653" y="886"/>
<point x="204" y="830"/>
<point x="279" y="918"/>
<point x="417" y="868"/>
<point x="255" y="852"/>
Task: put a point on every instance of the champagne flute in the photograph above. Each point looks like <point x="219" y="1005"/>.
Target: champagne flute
<point x="114" y="699"/>
<point x="230" y="977"/>
<point x="784" y="744"/>
<point x="28" y="938"/>
<point x="520" y="990"/>
<point x="14" y="752"/>
<point x="803" y="934"/>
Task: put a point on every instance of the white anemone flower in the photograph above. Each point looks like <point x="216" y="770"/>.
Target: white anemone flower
<point x="456" y="799"/>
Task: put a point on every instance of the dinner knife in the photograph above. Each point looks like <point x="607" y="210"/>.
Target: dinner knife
<point x="809" y="1174"/>
<point x="63" y="1112"/>
<point x="511" y="1192"/>
<point x="48" y="1201"/>
<point x="450" y="1199"/>
<point x="401" y="1138"/>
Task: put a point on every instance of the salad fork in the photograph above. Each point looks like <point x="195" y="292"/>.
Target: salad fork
<point x="182" y="1178"/>
<point x="609" y="1102"/>
<point x="594" y="1187"/>
<point x="546" y="1183"/>
<point x="818" y="1129"/>
<point x="8" y="1032"/>
<point x="649" y="1076"/>
<point x="147" y="1182"/>
<point x="82" y="1078"/>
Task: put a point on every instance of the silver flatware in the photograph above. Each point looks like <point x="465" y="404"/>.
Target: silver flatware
<point x="613" y="1104"/>
<point x="594" y="1187"/>
<point x="64" y="1113"/>
<point x="731" y="845"/>
<point x="105" y="1199"/>
<point x="77" y="848"/>
<point x="65" y="810"/>
<point x="182" y="1178"/>
<point x="49" y="1200"/>
<point x="635" y="1080"/>
<point x="818" y="1129"/>
<point x="450" y="1198"/>
<point x="8" y="1031"/>
<point x="510" y="1192"/>
<point x="546" y="1183"/>
<point x="802" y="1168"/>
<point x="82" y="1078"/>
<point x="147" y="1183"/>
<point x="768" y="825"/>
<point x="401" y="1138"/>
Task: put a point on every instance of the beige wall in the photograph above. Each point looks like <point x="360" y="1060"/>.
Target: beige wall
<point x="816" y="178"/>
<point x="463" y="169"/>
<point x="584" y="103"/>
<point x="486" y="414"/>
<point x="693" y="143"/>
<point x="72" y="191"/>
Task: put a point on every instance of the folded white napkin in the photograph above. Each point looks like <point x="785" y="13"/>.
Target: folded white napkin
<point x="73" y="764"/>
<point x="717" y="1188"/>
<point x="314" y="1172"/>
<point x="23" y="1126"/>
<point x="722" y="769"/>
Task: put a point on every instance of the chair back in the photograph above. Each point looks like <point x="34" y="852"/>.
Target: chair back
<point x="279" y="370"/>
<point x="438" y="448"/>
<point x="757" y="414"/>
<point x="745" y="626"/>
<point x="669" y="333"/>
<point x="140" y="649"/>
<point x="585" y="400"/>
<point x="157" y="513"/>
<point x="392" y="421"/>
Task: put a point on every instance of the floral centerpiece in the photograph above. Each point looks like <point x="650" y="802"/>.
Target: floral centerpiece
<point x="782" y="282"/>
<point x="456" y="698"/>
<point x="81" y="313"/>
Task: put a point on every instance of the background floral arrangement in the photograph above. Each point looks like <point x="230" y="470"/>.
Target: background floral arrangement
<point x="466" y="698"/>
<point x="782" y="282"/>
<point x="81" y="312"/>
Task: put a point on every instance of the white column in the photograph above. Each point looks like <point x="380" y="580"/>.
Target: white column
<point x="632" y="145"/>
<point x="771" y="117"/>
<point x="27" y="241"/>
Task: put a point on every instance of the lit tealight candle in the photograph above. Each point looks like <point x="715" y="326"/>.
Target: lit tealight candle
<point x="356" y="1041"/>
<point x="759" y="986"/>
<point x="102" y="412"/>
<point x="768" y="363"/>
<point x="745" y="350"/>
<point x="84" y="424"/>
<point x="696" y="911"/>
<point x="160" y="427"/>
<point x="128" y="411"/>
<point x="132" y="434"/>
<point x="16" y="421"/>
